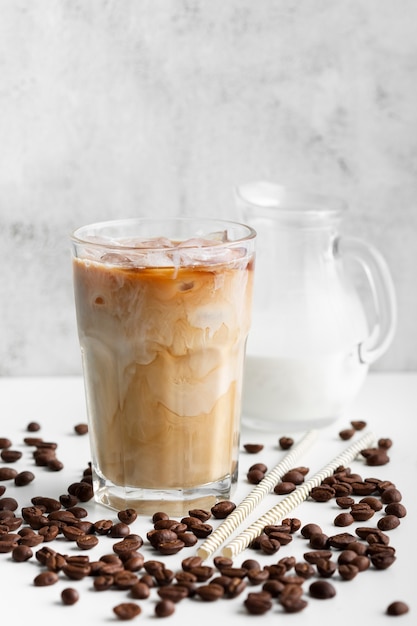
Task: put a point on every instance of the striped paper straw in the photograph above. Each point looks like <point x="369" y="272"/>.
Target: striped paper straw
<point x="295" y="498"/>
<point x="254" y="497"/>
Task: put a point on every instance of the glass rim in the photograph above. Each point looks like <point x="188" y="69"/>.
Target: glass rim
<point x="77" y="237"/>
<point x="289" y="202"/>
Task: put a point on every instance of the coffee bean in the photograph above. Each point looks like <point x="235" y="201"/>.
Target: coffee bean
<point x="391" y="495"/>
<point x="358" y="424"/>
<point x="164" y="608"/>
<point x="343" y="519"/>
<point x="397" y="608"/>
<point x="284" y="488"/>
<point x="255" y="476"/>
<point x="396" y="508"/>
<point x="322" y="590"/>
<point x="171" y="547"/>
<point x="173" y="592"/>
<point x="385" y="442"/>
<point x="374" y="503"/>
<point x="119" y="530"/>
<point x="322" y="493"/>
<point x="8" y="504"/>
<point x="222" y="509"/>
<point x="140" y="591"/>
<point x="128" y="544"/>
<point x="348" y="571"/>
<point x="210" y="592"/>
<point x="293" y="604"/>
<point x="315" y="556"/>
<point x="10" y="456"/>
<point x="268" y="545"/>
<point x="7" y="473"/>
<point x="81" y="429"/>
<point x="21" y="553"/>
<point x="286" y="442"/>
<point x="5" y="442"/>
<point x="69" y="596"/>
<point x="253" y="448"/>
<point x="344" y="502"/>
<point x="24" y="478"/>
<point x="310" y="529"/>
<point x="341" y="540"/>
<point x="325" y="567"/>
<point x="346" y="433"/>
<point x="388" y="522"/>
<point x="361" y="512"/>
<point x="45" y="579"/>
<point x="127" y="610"/>
<point x="258" y="603"/>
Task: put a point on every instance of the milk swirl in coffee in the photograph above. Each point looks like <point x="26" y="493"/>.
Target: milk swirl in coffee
<point x="162" y="328"/>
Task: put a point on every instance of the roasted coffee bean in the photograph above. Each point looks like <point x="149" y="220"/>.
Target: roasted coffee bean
<point x="7" y="473"/>
<point x="222" y="562"/>
<point x="341" y="540"/>
<point x="200" y="514"/>
<point x="159" y="515"/>
<point x="288" y="562"/>
<point x="361" y="512"/>
<point x="21" y="553"/>
<point x="127" y="516"/>
<point x="189" y="539"/>
<point x="258" y="603"/>
<point x="127" y="610"/>
<point x="343" y="519"/>
<point x="125" y="579"/>
<point x="203" y="573"/>
<point x="388" y="522"/>
<point x="67" y="500"/>
<point x="371" y="534"/>
<point x="24" y="478"/>
<point x="10" y="456"/>
<point x="222" y="509"/>
<point x="76" y="571"/>
<point x="322" y="590"/>
<point x="293" y="476"/>
<point x="383" y="559"/>
<point x="171" y="547"/>
<point x="33" y="441"/>
<point x="293" y="523"/>
<point x="276" y="571"/>
<point x="82" y="490"/>
<point x="81" y="429"/>
<point x="190" y="562"/>
<point x="257" y="576"/>
<point x="8" y="504"/>
<point x="344" y="502"/>
<point x="373" y="502"/>
<point x="173" y="592"/>
<point x="322" y="493"/>
<point x="210" y="592"/>
<point x="293" y="604"/>
<point x="102" y="527"/>
<point x="55" y="562"/>
<point x="253" y="448"/>
<point x="69" y="596"/>
<point x="319" y="541"/>
<point x="348" y="571"/>
<point x="201" y="530"/>
<point x="396" y="508"/>
<point x="102" y="582"/>
<point x="156" y="537"/>
<point x="49" y="532"/>
<point x="384" y="442"/>
<point x="358" y="424"/>
<point x="273" y="587"/>
<point x="55" y="465"/>
<point x="362" y="488"/>
<point x="164" y="576"/>
<point x="78" y="511"/>
<point x="5" y="442"/>
<point x="342" y="489"/>
<point x="284" y="487"/>
<point x="325" y="567"/>
<point x="305" y="570"/>
<point x="268" y="545"/>
<point x="378" y="457"/>
<point x="119" y="530"/>
<point x="140" y="591"/>
<point x="255" y="476"/>
<point x="391" y="495"/>
<point x="87" y="542"/>
<point x="33" y="427"/>
<point x="164" y="608"/>
<point x="8" y="542"/>
<point x="286" y="442"/>
<point x="397" y="608"/>
<point x="315" y="556"/>
<point x="128" y="544"/>
<point x="45" y="579"/>
<point x="346" y="433"/>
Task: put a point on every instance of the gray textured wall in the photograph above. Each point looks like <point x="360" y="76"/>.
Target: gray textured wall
<point x="129" y="107"/>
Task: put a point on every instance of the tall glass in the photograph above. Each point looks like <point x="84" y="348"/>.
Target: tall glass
<point x="163" y="311"/>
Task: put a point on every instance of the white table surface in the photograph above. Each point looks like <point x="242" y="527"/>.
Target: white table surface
<point x="388" y="403"/>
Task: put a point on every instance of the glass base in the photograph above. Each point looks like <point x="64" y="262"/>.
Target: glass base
<point x="174" y="502"/>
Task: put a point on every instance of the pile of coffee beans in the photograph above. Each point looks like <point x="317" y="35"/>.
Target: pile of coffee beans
<point x="289" y="582"/>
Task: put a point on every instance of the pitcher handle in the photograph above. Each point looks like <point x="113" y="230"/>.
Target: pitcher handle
<point x="383" y="294"/>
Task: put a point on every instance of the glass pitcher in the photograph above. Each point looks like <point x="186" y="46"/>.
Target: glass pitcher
<point x="312" y="338"/>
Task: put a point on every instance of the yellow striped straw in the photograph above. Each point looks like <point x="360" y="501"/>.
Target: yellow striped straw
<point x="295" y="498"/>
<point x="254" y="497"/>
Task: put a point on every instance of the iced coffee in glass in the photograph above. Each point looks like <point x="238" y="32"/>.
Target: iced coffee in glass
<point x="163" y="312"/>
